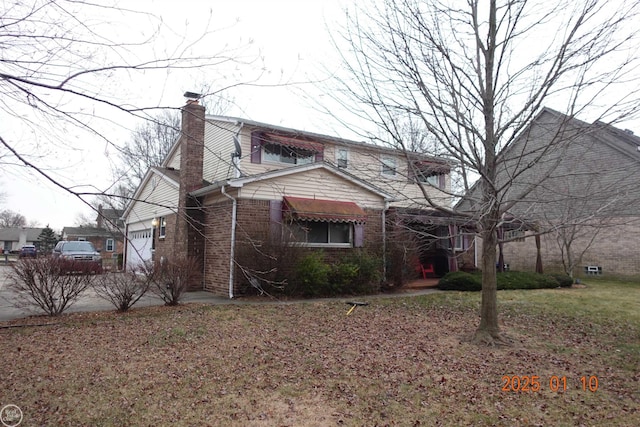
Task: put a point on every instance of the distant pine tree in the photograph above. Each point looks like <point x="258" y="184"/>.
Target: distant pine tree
<point x="47" y="240"/>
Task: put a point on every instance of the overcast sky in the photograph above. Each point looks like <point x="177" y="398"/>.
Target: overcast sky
<point x="282" y="46"/>
<point x="284" y="40"/>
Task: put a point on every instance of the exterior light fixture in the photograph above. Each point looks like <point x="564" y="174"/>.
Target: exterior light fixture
<point x="154" y="222"/>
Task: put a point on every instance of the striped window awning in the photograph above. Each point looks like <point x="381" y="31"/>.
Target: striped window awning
<point x="323" y="210"/>
<point x="288" y="141"/>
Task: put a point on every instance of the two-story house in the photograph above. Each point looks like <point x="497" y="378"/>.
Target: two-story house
<point x="230" y="186"/>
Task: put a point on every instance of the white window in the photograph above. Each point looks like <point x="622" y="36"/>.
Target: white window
<point x="459" y="242"/>
<point x="389" y="166"/>
<point x="514" y="235"/>
<point x="342" y="158"/>
<point x="433" y="180"/>
<point x="283" y="154"/>
<point x="110" y="245"/>
<point x="321" y="233"/>
<point x="162" y="227"/>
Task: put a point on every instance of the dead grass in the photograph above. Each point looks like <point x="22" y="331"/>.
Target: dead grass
<point x="398" y="361"/>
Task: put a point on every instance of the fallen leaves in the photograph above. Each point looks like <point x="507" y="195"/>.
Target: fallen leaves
<point x="390" y="363"/>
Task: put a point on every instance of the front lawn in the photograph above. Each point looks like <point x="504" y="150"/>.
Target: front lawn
<point x="398" y="361"/>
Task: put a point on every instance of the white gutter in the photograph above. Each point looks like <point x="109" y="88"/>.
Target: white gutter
<point x="234" y="211"/>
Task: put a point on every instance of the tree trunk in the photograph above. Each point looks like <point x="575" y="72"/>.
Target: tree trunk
<point x="538" y="256"/>
<point x="488" y="331"/>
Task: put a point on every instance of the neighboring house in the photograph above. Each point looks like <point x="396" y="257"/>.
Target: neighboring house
<point x="230" y="187"/>
<point x="106" y="237"/>
<point x="14" y="238"/>
<point x="585" y="213"/>
<point x="111" y="219"/>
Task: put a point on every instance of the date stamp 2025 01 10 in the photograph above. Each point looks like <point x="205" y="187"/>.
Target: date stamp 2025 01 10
<point x="533" y="383"/>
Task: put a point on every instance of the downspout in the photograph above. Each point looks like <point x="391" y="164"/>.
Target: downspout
<point x="384" y="241"/>
<point x="125" y="254"/>
<point x="234" y="211"/>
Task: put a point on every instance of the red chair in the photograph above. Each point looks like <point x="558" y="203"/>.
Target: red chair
<point x="428" y="269"/>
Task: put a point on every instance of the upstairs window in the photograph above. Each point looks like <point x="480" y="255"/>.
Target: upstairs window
<point x="342" y="158"/>
<point x="290" y="155"/>
<point x="286" y="149"/>
<point x="433" y="180"/>
<point x="431" y="173"/>
<point x="389" y="166"/>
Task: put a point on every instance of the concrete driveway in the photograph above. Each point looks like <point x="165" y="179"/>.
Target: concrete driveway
<point x="89" y="301"/>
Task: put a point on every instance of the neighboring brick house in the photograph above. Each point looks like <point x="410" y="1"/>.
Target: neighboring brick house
<point x="106" y="237"/>
<point x="587" y="209"/>
<point x="229" y="186"/>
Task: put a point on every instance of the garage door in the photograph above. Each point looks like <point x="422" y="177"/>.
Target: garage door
<point x="139" y="247"/>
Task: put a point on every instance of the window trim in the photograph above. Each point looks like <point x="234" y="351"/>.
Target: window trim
<point x="298" y="224"/>
<point x="390" y="163"/>
<point x="113" y="245"/>
<point x="339" y="158"/>
<point x="162" y="227"/>
<point x="265" y="157"/>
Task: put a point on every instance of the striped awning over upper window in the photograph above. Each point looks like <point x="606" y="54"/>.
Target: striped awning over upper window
<point x="288" y="141"/>
<point x="323" y="210"/>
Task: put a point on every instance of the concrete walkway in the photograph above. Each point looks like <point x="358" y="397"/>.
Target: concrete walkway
<point x="91" y="302"/>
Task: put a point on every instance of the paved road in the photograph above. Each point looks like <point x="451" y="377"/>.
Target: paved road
<point x="90" y="302"/>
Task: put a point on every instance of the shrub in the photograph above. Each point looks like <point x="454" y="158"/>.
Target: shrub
<point x="44" y="283"/>
<point x="122" y="289"/>
<point x="564" y="280"/>
<point x="525" y="280"/>
<point x="171" y="277"/>
<point x="342" y="276"/>
<point x="460" y="281"/>
<point x="368" y="274"/>
<point x="312" y="275"/>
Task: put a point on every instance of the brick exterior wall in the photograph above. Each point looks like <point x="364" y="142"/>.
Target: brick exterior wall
<point x="255" y="248"/>
<point x="164" y="246"/>
<point x="217" y="247"/>
<point x="615" y="249"/>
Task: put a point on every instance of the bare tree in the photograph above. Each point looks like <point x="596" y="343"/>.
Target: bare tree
<point x="10" y="219"/>
<point x="63" y="72"/>
<point x="474" y="75"/>
<point x="149" y="145"/>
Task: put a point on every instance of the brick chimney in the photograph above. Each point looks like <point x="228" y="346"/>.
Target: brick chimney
<point x="192" y="145"/>
<point x="188" y="235"/>
<point x="100" y="219"/>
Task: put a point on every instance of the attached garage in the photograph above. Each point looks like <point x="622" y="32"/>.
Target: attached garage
<point x="139" y="247"/>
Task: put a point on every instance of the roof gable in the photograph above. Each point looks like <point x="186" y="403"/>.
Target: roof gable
<point x="171" y="176"/>
<point x="240" y="182"/>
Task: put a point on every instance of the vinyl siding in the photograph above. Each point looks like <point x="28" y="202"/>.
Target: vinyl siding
<point x="174" y="161"/>
<point x="218" y="139"/>
<point x="318" y="184"/>
<point x="158" y="198"/>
